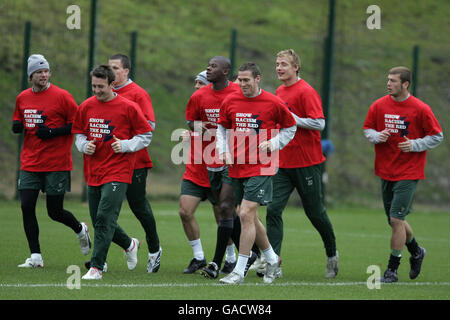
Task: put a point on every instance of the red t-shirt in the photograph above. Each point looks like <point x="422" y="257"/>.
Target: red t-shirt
<point x="253" y="120"/>
<point x="204" y="105"/>
<point x="54" y="107"/>
<point x="195" y="169"/>
<point x="305" y="149"/>
<point x="411" y="118"/>
<point x="135" y="93"/>
<point x="101" y="121"/>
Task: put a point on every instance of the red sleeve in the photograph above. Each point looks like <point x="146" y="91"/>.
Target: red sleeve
<point x="371" y="119"/>
<point x="145" y="102"/>
<point x="17" y="115"/>
<point x="429" y="122"/>
<point x="71" y="107"/>
<point x="313" y="104"/>
<point x="224" y="120"/>
<point x="192" y="109"/>
<point x="78" y="125"/>
<point x="140" y="124"/>
<point x="285" y="118"/>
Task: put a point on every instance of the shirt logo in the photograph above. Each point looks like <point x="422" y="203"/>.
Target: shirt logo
<point x="396" y="124"/>
<point x="245" y="122"/>
<point x="33" y="118"/>
<point x="101" y="129"/>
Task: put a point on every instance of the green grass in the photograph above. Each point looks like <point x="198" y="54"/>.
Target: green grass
<point x="362" y="239"/>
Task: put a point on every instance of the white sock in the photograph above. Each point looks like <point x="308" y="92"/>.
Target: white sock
<point x="36" y="256"/>
<point x="82" y="232"/>
<point x="241" y="263"/>
<point x="270" y="255"/>
<point x="197" y="248"/>
<point x="231" y="254"/>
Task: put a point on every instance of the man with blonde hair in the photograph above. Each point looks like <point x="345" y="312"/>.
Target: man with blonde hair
<point x="300" y="161"/>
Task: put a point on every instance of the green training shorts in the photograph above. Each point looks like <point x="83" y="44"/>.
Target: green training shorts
<point x="51" y="183"/>
<point x="191" y="189"/>
<point x="256" y="189"/>
<point x="398" y="197"/>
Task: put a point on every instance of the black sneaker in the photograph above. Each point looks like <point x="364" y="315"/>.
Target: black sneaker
<point x="211" y="271"/>
<point x="194" y="265"/>
<point x="416" y="263"/>
<point x="228" y="267"/>
<point x="389" y="276"/>
<point x="250" y="261"/>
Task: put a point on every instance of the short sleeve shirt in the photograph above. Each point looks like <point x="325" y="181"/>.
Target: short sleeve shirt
<point x="102" y="121"/>
<point x="410" y="119"/>
<point x="252" y="121"/>
<point x="54" y="108"/>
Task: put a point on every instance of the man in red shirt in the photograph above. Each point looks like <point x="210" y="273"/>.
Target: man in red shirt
<point x="202" y="113"/>
<point x="300" y="161"/>
<point x="45" y="112"/>
<point x="109" y="130"/>
<point x="402" y="128"/>
<point x="195" y="187"/>
<point x="253" y="118"/>
<point x="136" y="193"/>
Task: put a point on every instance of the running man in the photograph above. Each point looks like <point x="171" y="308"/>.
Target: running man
<point x="300" y="161"/>
<point x="195" y="187"/>
<point x="136" y="192"/>
<point x="44" y="113"/>
<point x="252" y="116"/>
<point x="202" y="113"/>
<point x="109" y="130"/>
<point x="402" y="128"/>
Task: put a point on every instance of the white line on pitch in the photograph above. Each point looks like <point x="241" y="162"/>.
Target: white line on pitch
<point x="150" y="285"/>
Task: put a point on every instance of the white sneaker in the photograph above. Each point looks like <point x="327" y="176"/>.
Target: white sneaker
<point x="87" y="264"/>
<point x="332" y="266"/>
<point x="278" y="272"/>
<point x="271" y="271"/>
<point x="93" y="274"/>
<point x="259" y="265"/>
<point x="35" y="261"/>
<point x="232" y="278"/>
<point x="132" y="258"/>
<point x="154" y="261"/>
<point x="84" y="239"/>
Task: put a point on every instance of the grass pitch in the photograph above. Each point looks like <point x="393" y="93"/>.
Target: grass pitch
<point x="362" y="236"/>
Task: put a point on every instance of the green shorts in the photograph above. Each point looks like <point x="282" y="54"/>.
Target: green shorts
<point x="398" y="197"/>
<point x="216" y="178"/>
<point x="51" y="183"/>
<point x="257" y="189"/>
<point x="191" y="189"/>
